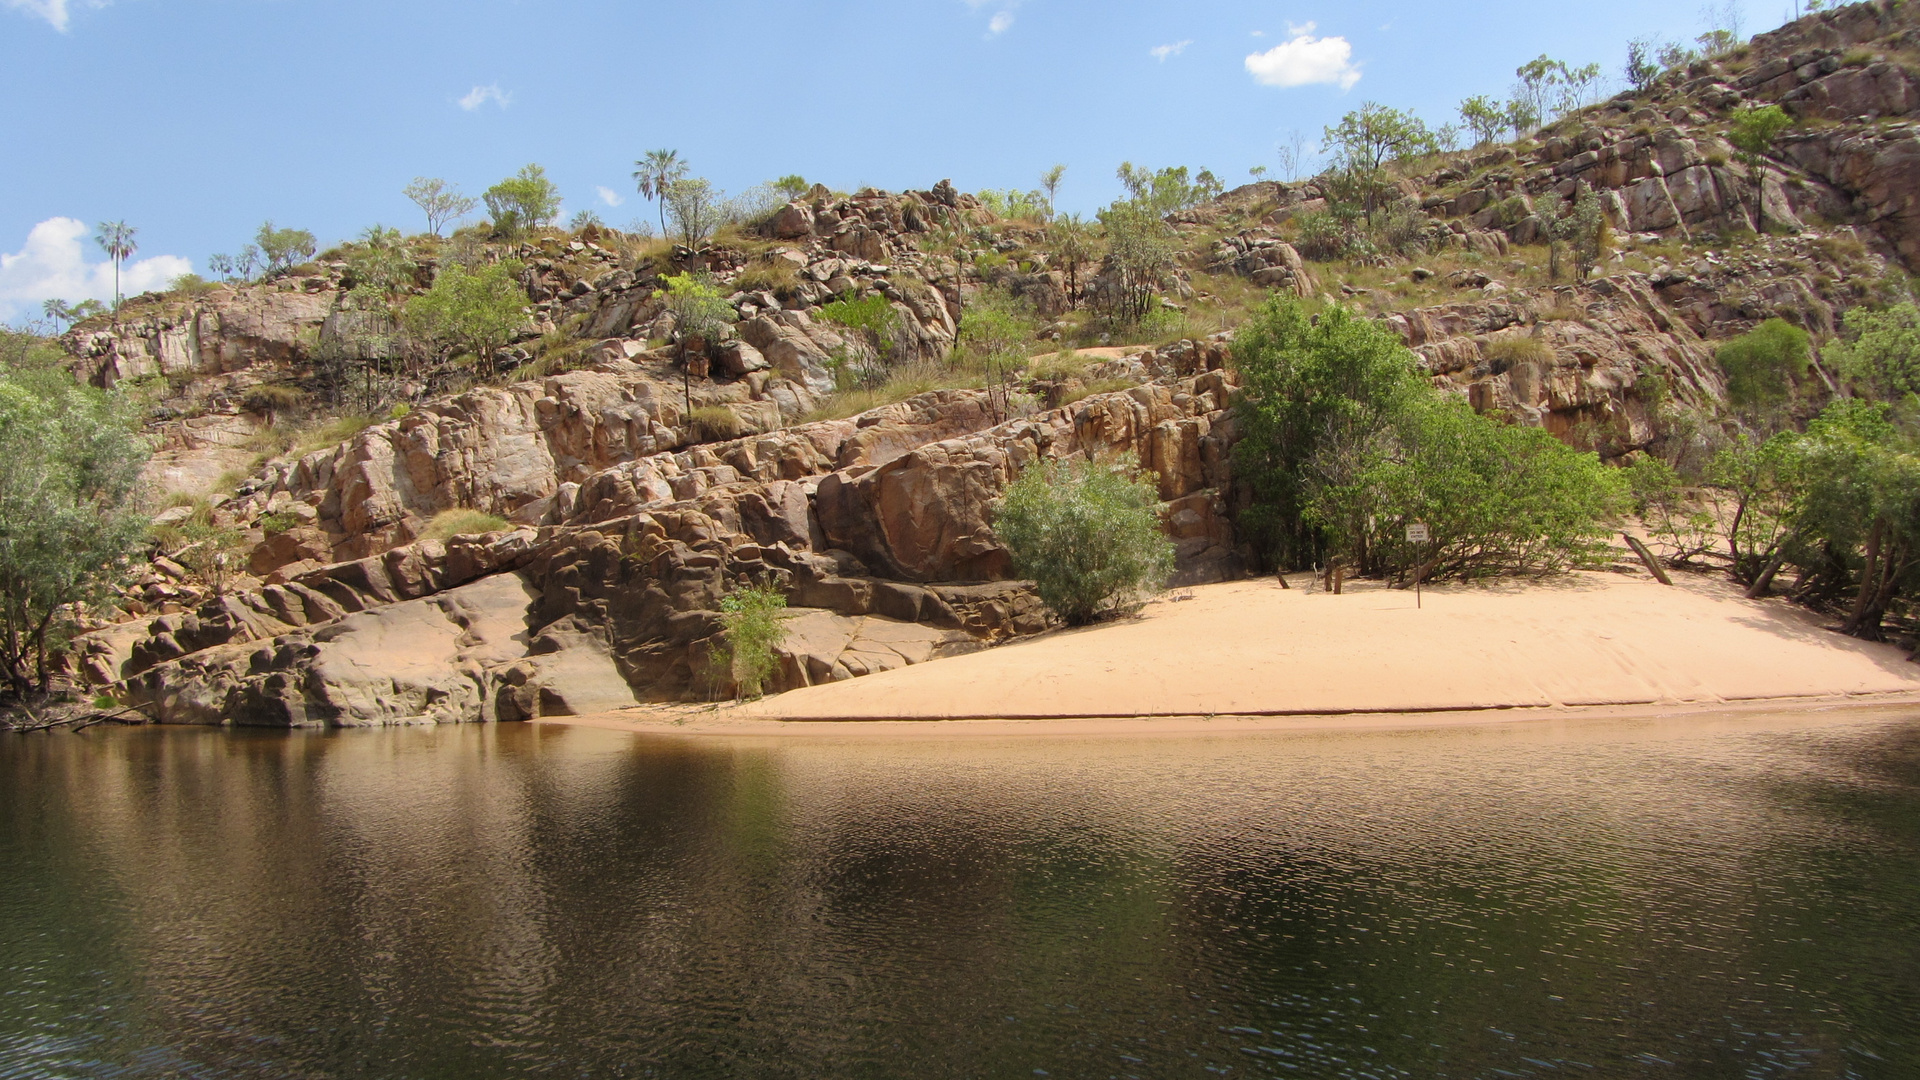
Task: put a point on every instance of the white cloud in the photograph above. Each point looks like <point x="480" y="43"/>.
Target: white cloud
<point x="1259" y="33"/>
<point x="1002" y="17"/>
<point x="610" y="196"/>
<point x="53" y="265"/>
<point x="1306" y="59"/>
<point x="1161" y="52"/>
<point x="56" y="12"/>
<point x="480" y="95"/>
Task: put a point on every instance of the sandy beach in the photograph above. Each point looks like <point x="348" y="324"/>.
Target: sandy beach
<point x="1251" y="655"/>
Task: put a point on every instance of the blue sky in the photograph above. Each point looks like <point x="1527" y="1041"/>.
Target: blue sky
<point x="196" y="120"/>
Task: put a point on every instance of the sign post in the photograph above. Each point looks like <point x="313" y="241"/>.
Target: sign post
<point x="1417" y="534"/>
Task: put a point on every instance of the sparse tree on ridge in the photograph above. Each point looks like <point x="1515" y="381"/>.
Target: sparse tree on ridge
<point x="116" y="239"/>
<point x="1753" y="134"/>
<point x="696" y="208"/>
<point x="1485" y="118"/>
<point x="793" y="186"/>
<point x="1369" y="139"/>
<point x="525" y="200"/>
<point x="284" y="249"/>
<point x="655" y="176"/>
<point x="1642" y="67"/>
<point x="1050" y="183"/>
<point x="442" y="203"/>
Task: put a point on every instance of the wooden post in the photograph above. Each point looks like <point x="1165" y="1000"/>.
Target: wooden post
<point x="1653" y="565"/>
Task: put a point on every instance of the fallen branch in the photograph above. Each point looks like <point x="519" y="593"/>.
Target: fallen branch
<point x="1653" y="565"/>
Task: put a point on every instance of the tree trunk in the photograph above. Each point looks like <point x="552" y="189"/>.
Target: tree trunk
<point x="1869" y="580"/>
<point x="1764" y="582"/>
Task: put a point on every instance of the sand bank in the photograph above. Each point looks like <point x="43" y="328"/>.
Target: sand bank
<point x="1252" y="655"/>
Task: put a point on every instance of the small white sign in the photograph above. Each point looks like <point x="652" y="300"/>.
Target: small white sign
<point x="1417" y="533"/>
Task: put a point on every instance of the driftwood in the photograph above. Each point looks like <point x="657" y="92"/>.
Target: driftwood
<point x="81" y="721"/>
<point x="1653" y="565"/>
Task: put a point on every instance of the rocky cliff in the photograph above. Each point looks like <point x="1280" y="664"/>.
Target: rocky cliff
<point x="631" y="515"/>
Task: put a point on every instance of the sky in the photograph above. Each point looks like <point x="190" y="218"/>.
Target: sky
<point x="197" y="120"/>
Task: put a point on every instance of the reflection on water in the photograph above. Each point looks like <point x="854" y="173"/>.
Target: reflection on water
<point x="1735" y="897"/>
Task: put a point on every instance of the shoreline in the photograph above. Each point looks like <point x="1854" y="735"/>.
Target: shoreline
<point x="1250" y="656"/>
<point x="724" y="721"/>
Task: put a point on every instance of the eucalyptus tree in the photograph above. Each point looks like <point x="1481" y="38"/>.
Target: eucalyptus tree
<point x="441" y="202"/>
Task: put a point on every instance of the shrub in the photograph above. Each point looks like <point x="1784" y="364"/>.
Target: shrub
<point x="1883" y="357"/>
<point x="448" y="524"/>
<point x="1761" y="366"/>
<point x="1322" y="237"/>
<point x="271" y="398"/>
<point x="275" y="522"/>
<point x="477" y="311"/>
<point x="525" y="200"/>
<point x="699" y="310"/>
<point x="871" y="313"/>
<point x="1506" y="350"/>
<point x="712" y="423"/>
<point x="754" y="628"/>
<point x="1087" y="535"/>
<point x="1058" y="368"/>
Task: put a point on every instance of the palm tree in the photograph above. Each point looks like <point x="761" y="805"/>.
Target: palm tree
<point x="656" y="174"/>
<point x="1050" y="180"/>
<point x="116" y="239"/>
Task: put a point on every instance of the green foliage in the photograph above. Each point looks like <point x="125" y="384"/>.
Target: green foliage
<point x="475" y="311"/>
<point x="275" y="522"/>
<point x="70" y="461"/>
<point x="1581" y="231"/>
<point x="1485" y="118"/>
<point x="1761" y="366"/>
<point x="696" y="207"/>
<point x="1496" y="497"/>
<point x="1087" y="535"/>
<point x="116" y="238"/>
<point x="1165" y="191"/>
<point x="283" y="249"/>
<point x="792" y="186"/>
<point x="1012" y="204"/>
<point x="440" y="201"/>
<point x="1315" y="395"/>
<point x="526" y="200"/>
<point x="1882" y="354"/>
<point x="1343" y="444"/>
<point x="448" y="524"/>
<point x="1642" y="67"/>
<point x="1074" y="244"/>
<point x="1141" y="248"/>
<point x="1755" y="127"/>
<point x="655" y="174"/>
<point x="699" y="309"/>
<point x="382" y="264"/>
<point x="871" y="314"/>
<point x="1369" y="139"/>
<point x="190" y="284"/>
<point x="752" y="615"/>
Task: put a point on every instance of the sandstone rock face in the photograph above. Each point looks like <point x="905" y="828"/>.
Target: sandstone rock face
<point x="877" y="528"/>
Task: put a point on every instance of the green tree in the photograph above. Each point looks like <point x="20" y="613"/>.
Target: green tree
<point x="1642" y="67"/>
<point x="1316" y="397"/>
<point x="700" y="313"/>
<point x="116" y="239"/>
<point x="1581" y="232"/>
<point x="1859" y="493"/>
<point x="996" y="334"/>
<point x="475" y="311"/>
<point x="1141" y="248"/>
<point x="1073" y="242"/>
<point x="1754" y="131"/>
<point x="1371" y="138"/>
<point x="1881" y="355"/>
<point x="526" y="200"/>
<point x="1535" y="93"/>
<point x="284" y="249"/>
<point x="440" y="201"/>
<point x="1761" y="366"/>
<point x="1485" y="118"/>
<point x="697" y="208"/>
<point x="70" y="462"/>
<point x="1087" y="535"/>
<point x="1165" y="191"/>
<point x="655" y="175"/>
<point x="792" y="186"/>
<point x="382" y="264"/>
<point x="755" y="627"/>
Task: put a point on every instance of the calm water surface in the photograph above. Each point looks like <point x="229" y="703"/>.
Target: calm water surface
<point x="1736" y="897"/>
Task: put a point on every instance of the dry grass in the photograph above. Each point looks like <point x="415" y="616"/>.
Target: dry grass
<point x="715" y="423"/>
<point x="902" y="384"/>
<point x="448" y="524"/>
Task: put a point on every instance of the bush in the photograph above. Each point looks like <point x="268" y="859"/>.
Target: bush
<point x="1087" y="536"/>
<point x="712" y="423"/>
<point x="448" y="524"/>
<point x="754" y="628"/>
<point x="477" y="311"/>
<point x="525" y="200"/>
<point x="1761" y="366"/>
<point x="271" y="398"/>
<point x="1060" y="367"/>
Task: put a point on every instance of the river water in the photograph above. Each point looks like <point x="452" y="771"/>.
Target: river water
<point x="1733" y="896"/>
